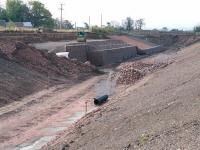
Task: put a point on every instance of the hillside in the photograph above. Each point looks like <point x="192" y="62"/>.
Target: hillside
<point x="25" y="70"/>
<point x="159" y="112"/>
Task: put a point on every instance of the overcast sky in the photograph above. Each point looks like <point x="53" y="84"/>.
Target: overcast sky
<point x="182" y="14"/>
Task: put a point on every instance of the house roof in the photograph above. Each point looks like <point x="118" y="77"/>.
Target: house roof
<point x="2" y="22"/>
<point x="27" y="24"/>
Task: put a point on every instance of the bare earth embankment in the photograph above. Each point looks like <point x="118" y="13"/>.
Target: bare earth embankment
<point x="38" y="91"/>
<point x="161" y="111"/>
<point x="25" y="70"/>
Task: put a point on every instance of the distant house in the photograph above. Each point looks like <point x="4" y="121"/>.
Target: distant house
<point x="27" y="24"/>
<point x="21" y="25"/>
<point x="18" y="24"/>
<point x="3" y="23"/>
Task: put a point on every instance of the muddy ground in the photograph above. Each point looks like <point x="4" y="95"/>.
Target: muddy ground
<point x="161" y="111"/>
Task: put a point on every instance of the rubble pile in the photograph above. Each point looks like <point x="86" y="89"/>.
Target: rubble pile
<point x="129" y="73"/>
<point x="42" y="62"/>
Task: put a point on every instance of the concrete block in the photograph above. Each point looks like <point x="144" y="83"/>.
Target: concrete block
<point x="111" y="56"/>
<point x="78" y="51"/>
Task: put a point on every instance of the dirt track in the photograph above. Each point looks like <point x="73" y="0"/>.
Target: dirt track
<point x="159" y="112"/>
<point x="25" y="121"/>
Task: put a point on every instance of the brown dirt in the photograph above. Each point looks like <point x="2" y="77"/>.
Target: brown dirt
<point x="26" y="120"/>
<point x="159" y="112"/>
<point x="173" y="41"/>
<point x="141" y="44"/>
<point x="25" y="70"/>
<point x="129" y="73"/>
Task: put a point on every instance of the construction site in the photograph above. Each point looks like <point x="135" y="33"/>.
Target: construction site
<point x="99" y="75"/>
<point x="149" y="85"/>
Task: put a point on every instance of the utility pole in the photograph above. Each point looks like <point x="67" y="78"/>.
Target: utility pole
<point x="89" y="22"/>
<point x="75" y="25"/>
<point x="61" y="12"/>
<point x="101" y="20"/>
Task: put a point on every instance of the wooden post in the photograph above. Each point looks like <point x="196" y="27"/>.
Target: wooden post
<point x="86" y="107"/>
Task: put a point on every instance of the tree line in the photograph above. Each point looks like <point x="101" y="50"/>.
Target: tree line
<point x="36" y="13"/>
<point x="33" y="11"/>
<point x="127" y="25"/>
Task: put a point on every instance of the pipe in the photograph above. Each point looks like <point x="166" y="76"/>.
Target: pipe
<point x="100" y="100"/>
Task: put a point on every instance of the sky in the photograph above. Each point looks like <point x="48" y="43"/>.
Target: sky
<point x="181" y="14"/>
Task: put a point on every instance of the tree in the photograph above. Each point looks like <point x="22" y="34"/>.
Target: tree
<point x="48" y="23"/>
<point x="108" y="24"/>
<point x="139" y="24"/>
<point x="86" y="25"/>
<point x="129" y="24"/>
<point x="3" y="15"/>
<point x="165" y="29"/>
<point x="56" y="23"/>
<point x="40" y="16"/>
<point x="17" y="11"/>
<point x="115" y="24"/>
<point x="11" y="26"/>
<point x="67" y="24"/>
<point x="197" y="28"/>
<point x="174" y="30"/>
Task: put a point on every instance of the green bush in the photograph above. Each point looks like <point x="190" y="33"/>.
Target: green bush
<point x="11" y="26"/>
<point x="105" y="30"/>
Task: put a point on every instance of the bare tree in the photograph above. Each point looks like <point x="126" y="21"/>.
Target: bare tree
<point x="139" y="24"/>
<point x="129" y="24"/>
<point x="67" y="24"/>
<point x="115" y="24"/>
<point x="86" y="25"/>
<point x="165" y="29"/>
<point x="108" y="24"/>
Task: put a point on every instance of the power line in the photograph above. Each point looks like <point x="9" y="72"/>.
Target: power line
<point x="61" y="13"/>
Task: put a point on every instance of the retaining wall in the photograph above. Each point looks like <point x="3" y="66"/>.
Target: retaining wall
<point x="152" y="50"/>
<point x="78" y="51"/>
<point x="111" y="56"/>
<point x="101" y="56"/>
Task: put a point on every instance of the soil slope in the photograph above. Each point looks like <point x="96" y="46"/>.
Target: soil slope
<point x="25" y="70"/>
<point x="141" y="44"/>
<point x="159" y="112"/>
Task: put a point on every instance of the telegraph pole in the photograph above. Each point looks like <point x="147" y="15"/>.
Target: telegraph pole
<point x="101" y="20"/>
<point x="75" y="25"/>
<point x="61" y="12"/>
<point x="89" y="22"/>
